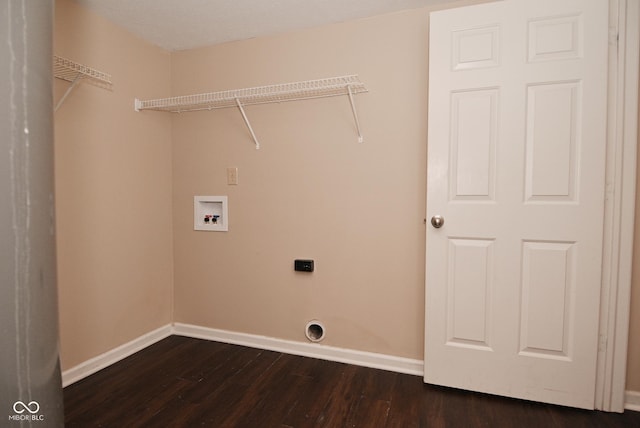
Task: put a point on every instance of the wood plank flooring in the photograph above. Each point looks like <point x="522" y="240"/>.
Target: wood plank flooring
<point x="185" y="382"/>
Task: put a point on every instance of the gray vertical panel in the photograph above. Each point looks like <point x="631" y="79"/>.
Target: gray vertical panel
<point x="29" y="363"/>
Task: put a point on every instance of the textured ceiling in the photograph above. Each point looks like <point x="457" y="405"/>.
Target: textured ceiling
<point x="186" y="24"/>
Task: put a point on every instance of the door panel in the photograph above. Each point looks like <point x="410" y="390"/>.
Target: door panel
<point x="552" y="113"/>
<point x="548" y="288"/>
<point x="470" y="282"/>
<point x="517" y="110"/>
<point x="473" y="126"/>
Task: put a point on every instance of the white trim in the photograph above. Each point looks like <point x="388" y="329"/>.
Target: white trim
<point x="313" y="350"/>
<point x="95" y="364"/>
<point x="632" y="401"/>
<point x="620" y="207"/>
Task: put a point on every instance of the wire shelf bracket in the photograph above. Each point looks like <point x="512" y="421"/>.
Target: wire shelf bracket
<point x="74" y="72"/>
<point x="320" y="88"/>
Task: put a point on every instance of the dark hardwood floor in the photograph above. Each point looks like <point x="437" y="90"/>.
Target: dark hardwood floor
<point x="184" y="382"/>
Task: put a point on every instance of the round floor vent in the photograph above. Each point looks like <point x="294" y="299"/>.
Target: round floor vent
<point x="315" y="331"/>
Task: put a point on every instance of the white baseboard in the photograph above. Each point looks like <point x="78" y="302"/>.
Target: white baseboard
<point x="91" y="366"/>
<point x="632" y="400"/>
<point x="313" y="350"/>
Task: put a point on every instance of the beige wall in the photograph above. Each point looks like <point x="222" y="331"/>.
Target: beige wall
<point x="113" y="190"/>
<point x="633" y="356"/>
<point x="311" y="191"/>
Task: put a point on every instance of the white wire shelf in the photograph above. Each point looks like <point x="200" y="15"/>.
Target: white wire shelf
<point x="68" y="70"/>
<point x="74" y="72"/>
<point x="259" y="95"/>
<point x="320" y="88"/>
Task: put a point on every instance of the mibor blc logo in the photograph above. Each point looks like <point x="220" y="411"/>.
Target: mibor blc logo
<point x="26" y="412"/>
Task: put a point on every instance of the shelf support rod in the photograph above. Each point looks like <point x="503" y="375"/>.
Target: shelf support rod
<point x="69" y="89"/>
<point x="355" y="114"/>
<point x="246" y="121"/>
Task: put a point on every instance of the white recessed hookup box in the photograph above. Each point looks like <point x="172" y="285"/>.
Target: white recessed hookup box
<point x="210" y="213"/>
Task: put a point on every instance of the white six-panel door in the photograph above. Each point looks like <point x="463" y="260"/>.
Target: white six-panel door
<point x="516" y="162"/>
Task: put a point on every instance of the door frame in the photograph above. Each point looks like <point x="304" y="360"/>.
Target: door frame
<point x="619" y="219"/>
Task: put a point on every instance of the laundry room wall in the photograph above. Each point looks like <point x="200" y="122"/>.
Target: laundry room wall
<point x="633" y="356"/>
<point x="129" y="260"/>
<point x="113" y="189"/>
<point x="311" y="191"/>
